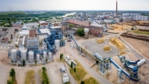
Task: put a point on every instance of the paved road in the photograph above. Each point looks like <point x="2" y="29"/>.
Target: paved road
<point x="95" y="74"/>
<point x="54" y="73"/>
<point x="4" y="74"/>
<point x="72" y="80"/>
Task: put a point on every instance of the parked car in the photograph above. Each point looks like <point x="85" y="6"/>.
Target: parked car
<point x="63" y="69"/>
<point x="65" y="78"/>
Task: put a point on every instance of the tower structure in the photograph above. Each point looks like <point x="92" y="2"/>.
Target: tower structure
<point x="116" y="8"/>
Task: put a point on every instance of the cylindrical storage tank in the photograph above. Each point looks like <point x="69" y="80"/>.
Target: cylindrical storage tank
<point x="44" y="55"/>
<point x="57" y="44"/>
<point x="141" y="62"/>
<point x="23" y="54"/>
<point x="50" y="55"/>
<point x="37" y="57"/>
<point x="14" y="55"/>
<point x="31" y="56"/>
<point x="98" y="56"/>
<point x="86" y="30"/>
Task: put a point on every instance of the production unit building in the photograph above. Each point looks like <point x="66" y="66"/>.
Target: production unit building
<point x="32" y="42"/>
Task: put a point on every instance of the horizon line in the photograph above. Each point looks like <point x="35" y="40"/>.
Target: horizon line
<point x="69" y="10"/>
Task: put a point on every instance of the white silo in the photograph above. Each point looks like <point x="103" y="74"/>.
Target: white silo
<point x="57" y="44"/>
<point x="23" y="54"/>
<point x="44" y="55"/>
<point x="86" y="30"/>
<point x="37" y="57"/>
<point x="50" y="55"/>
<point x="31" y="56"/>
<point x="14" y="55"/>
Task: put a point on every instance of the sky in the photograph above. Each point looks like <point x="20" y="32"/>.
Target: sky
<point x="20" y="5"/>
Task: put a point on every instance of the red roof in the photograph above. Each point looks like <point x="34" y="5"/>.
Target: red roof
<point x="87" y="24"/>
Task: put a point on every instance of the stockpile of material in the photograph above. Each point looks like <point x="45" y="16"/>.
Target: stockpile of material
<point x="106" y="48"/>
<point x="122" y="52"/>
<point x="121" y="27"/>
<point x="118" y="43"/>
<point x="101" y="40"/>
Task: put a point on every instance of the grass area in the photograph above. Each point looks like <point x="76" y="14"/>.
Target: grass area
<point x="30" y="75"/>
<point x="90" y="81"/>
<point x="141" y="32"/>
<point x="80" y="72"/>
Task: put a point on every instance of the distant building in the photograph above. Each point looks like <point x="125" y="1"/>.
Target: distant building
<point x="140" y="17"/>
<point x="94" y="29"/>
<point x="126" y="19"/>
<point x="32" y="25"/>
<point x="7" y="34"/>
<point x="43" y="23"/>
<point x="18" y="24"/>
<point x="130" y="14"/>
<point x="24" y="31"/>
<point x="134" y="16"/>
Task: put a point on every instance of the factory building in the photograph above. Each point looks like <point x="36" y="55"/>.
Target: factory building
<point x="43" y="23"/>
<point x="7" y="34"/>
<point x="94" y="29"/>
<point x="32" y="42"/>
<point x="24" y="31"/>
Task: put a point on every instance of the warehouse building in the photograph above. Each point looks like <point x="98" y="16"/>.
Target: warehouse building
<point x="94" y="28"/>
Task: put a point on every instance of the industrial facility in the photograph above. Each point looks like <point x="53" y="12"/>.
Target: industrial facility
<point x="82" y="47"/>
<point x="38" y="46"/>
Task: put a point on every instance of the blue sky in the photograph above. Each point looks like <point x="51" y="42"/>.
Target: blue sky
<point x="73" y="5"/>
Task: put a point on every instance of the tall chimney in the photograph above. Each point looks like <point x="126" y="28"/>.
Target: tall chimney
<point x="116" y="7"/>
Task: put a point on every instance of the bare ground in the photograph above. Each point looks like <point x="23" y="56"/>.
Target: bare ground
<point x="140" y="46"/>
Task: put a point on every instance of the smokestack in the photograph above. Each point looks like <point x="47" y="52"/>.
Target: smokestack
<point x="116" y="7"/>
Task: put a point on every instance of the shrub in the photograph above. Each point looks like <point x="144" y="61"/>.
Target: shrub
<point x="44" y="68"/>
<point x="80" y="32"/>
<point x="82" y="82"/>
<point x="71" y="65"/>
<point x="74" y="69"/>
<point x="61" y="56"/>
<point x="24" y="63"/>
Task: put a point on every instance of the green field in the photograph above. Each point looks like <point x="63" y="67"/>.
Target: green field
<point x="90" y="81"/>
<point x="141" y="32"/>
